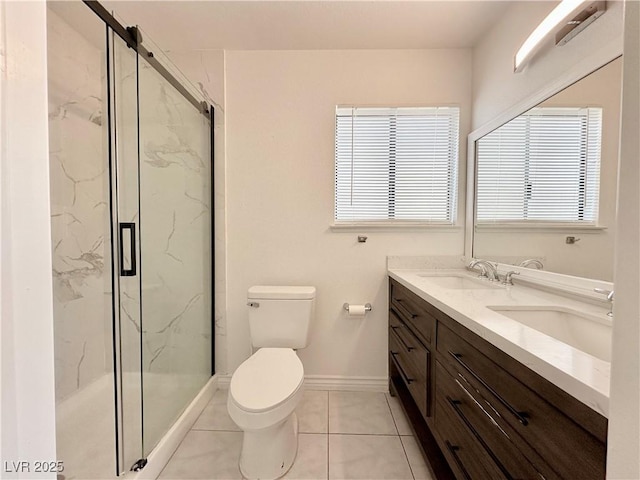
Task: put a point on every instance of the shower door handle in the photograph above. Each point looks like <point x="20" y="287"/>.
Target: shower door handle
<point x="131" y="243"/>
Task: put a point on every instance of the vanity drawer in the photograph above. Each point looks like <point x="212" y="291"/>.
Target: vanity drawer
<point x="513" y="457"/>
<point x="465" y="455"/>
<point x="549" y="432"/>
<point x="414" y="311"/>
<point x="412" y="360"/>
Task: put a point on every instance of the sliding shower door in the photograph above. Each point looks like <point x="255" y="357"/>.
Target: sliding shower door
<point x="163" y="190"/>
<point x="127" y="256"/>
<point x="81" y="239"/>
<point x="176" y="246"/>
<point x="163" y="163"/>
<point x="131" y="178"/>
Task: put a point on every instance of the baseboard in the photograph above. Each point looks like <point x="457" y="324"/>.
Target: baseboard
<point x="346" y="383"/>
<point x="160" y="456"/>
<point x="333" y="382"/>
<point x="224" y="381"/>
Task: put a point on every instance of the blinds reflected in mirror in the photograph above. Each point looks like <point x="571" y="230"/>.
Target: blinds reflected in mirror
<point x="543" y="166"/>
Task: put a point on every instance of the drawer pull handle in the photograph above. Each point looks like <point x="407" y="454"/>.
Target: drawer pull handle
<point x="453" y="449"/>
<point x="455" y="404"/>
<point x="401" y="370"/>
<point x="405" y="344"/>
<point x="406" y="310"/>
<point x="520" y="416"/>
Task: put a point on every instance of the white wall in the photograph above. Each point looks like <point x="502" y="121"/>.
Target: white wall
<point x="496" y="88"/>
<point x="280" y="190"/>
<point x="624" y="417"/>
<point x="26" y="336"/>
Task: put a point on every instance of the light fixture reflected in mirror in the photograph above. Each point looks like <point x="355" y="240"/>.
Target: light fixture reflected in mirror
<point x="568" y="19"/>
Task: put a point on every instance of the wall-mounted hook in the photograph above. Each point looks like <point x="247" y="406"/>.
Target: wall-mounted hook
<point x="571" y="240"/>
<point x="362" y="239"/>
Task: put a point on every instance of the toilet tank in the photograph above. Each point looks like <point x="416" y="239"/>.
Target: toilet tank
<point x="280" y="316"/>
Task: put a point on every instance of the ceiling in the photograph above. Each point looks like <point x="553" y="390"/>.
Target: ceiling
<point x="310" y="25"/>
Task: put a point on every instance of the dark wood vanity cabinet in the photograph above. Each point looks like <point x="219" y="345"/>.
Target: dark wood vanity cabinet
<point x="412" y="361"/>
<point x="490" y="416"/>
<point x="411" y="331"/>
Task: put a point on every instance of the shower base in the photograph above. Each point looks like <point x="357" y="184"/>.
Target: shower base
<point x="85" y="424"/>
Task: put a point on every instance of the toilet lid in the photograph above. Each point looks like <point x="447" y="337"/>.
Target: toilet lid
<point x="266" y="379"/>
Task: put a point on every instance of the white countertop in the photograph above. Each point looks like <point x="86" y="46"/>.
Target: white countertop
<point x="581" y="375"/>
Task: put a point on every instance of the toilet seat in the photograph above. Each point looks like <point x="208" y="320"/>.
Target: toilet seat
<point x="266" y="380"/>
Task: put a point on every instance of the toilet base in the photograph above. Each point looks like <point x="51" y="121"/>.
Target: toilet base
<point x="269" y="453"/>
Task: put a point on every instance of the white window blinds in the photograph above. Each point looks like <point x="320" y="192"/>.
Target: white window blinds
<point x="396" y="164"/>
<point x="543" y="166"/>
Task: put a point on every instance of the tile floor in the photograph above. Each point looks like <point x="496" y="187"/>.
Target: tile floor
<point x="343" y="436"/>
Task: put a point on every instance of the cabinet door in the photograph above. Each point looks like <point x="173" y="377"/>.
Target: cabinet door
<point x="412" y="361"/>
<point x="534" y="419"/>
<point x="473" y="411"/>
<point x="467" y="458"/>
<point x="411" y="309"/>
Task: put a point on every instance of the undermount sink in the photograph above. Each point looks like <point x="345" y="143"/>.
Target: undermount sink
<point x="590" y="334"/>
<point x="458" y="281"/>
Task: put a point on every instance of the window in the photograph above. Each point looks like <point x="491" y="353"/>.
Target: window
<point x="543" y="166"/>
<point x="396" y="164"/>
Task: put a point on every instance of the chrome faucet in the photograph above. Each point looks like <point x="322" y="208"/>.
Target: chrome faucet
<point x="609" y="294"/>
<point x="537" y="264"/>
<point x="487" y="269"/>
<point x="507" y="277"/>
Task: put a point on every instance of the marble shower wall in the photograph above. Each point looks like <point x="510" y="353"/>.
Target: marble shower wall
<point x="206" y="68"/>
<point x="79" y="208"/>
<point x="173" y="314"/>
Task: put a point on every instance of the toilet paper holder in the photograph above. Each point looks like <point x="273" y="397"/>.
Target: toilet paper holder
<point x="367" y="307"/>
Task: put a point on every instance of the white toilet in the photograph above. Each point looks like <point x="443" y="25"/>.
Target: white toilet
<point x="267" y="387"/>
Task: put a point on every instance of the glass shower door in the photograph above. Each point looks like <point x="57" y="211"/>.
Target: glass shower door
<point x="162" y="146"/>
<point x="163" y="190"/>
<point x="81" y="237"/>
<point x="131" y="242"/>
<point x="126" y="223"/>
<point x="176" y="246"/>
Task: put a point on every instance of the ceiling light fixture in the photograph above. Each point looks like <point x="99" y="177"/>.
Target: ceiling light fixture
<point x="568" y="19"/>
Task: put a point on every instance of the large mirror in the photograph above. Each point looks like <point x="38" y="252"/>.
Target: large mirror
<point x="545" y="184"/>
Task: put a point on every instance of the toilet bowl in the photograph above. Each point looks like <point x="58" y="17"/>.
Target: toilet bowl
<point x="263" y="395"/>
<point x="267" y="387"/>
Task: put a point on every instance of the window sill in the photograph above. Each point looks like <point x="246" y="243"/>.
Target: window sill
<point x="539" y="227"/>
<point x="390" y="226"/>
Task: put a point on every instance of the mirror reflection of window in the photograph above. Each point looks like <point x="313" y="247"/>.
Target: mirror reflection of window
<point x="548" y="190"/>
<point x="543" y="166"/>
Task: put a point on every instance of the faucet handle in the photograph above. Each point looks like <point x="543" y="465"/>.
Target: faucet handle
<point x="609" y="294"/>
<point x="507" y="277"/>
<point x="476" y="263"/>
<point x="604" y="291"/>
<point x="532" y="262"/>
